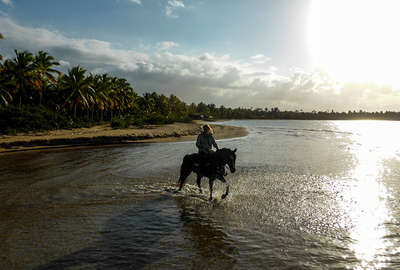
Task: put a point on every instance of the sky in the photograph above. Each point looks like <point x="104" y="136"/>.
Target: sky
<point x="293" y="54"/>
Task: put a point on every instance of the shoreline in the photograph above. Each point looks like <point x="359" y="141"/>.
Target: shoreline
<point x="104" y="135"/>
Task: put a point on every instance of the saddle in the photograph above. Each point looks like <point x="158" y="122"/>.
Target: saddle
<point x="206" y="163"/>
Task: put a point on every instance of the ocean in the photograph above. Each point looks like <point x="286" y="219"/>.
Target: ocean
<point x="305" y="195"/>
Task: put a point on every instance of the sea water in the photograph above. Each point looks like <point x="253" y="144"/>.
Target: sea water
<point x="306" y="195"/>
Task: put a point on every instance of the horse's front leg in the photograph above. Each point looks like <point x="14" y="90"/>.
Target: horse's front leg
<point x="211" y="182"/>
<point x="227" y="187"/>
<point x="185" y="172"/>
<point x="199" y="183"/>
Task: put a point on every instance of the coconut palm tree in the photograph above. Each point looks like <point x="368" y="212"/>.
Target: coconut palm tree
<point x="126" y="94"/>
<point x="5" y="95"/>
<point x="114" y="97"/>
<point x="79" y="93"/>
<point x="1" y="37"/>
<point x="101" y="85"/>
<point x="178" y="107"/>
<point x="20" y="72"/>
<point x="147" y="103"/>
<point x="45" y="73"/>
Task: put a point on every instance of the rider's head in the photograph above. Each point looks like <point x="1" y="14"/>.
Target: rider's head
<point x="207" y="129"/>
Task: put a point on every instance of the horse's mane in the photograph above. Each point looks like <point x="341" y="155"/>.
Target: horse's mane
<point x="224" y="150"/>
<point x="219" y="156"/>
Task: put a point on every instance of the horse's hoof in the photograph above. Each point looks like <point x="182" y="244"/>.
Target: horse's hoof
<point x="224" y="196"/>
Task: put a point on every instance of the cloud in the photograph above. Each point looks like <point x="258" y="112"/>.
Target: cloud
<point x="172" y="6"/>
<point x="165" y="45"/>
<point x="7" y="2"/>
<point x="260" y="59"/>
<point x="64" y="63"/>
<point x="207" y="77"/>
<point x="257" y="56"/>
<point x="139" y="2"/>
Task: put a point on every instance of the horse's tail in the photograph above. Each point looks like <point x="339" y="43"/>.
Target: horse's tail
<point x="186" y="169"/>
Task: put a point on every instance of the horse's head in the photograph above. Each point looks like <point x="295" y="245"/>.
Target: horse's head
<point x="231" y="160"/>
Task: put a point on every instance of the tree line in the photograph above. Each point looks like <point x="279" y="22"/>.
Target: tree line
<point x="35" y="95"/>
<point x="31" y="85"/>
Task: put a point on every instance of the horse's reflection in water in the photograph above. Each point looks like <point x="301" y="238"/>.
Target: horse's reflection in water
<point x="213" y="249"/>
<point x="153" y="235"/>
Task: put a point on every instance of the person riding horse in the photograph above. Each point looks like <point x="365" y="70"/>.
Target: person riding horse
<point x="205" y="142"/>
<point x="215" y="169"/>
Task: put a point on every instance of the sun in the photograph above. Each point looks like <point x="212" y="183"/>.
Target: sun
<point x="356" y="40"/>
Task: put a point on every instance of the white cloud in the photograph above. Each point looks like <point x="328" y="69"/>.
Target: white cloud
<point x="139" y="2"/>
<point x="257" y="56"/>
<point x="64" y="63"/>
<point x="7" y="2"/>
<point x="260" y="59"/>
<point x="165" y="45"/>
<point x="172" y="6"/>
<point x="207" y="77"/>
<point x="176" y="3"/>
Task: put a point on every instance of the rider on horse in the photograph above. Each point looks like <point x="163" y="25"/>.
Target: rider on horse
<point x="205" y="142"/>
<point x="208" y="163"/>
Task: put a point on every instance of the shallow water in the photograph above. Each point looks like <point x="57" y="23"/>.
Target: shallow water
<point x="306" y="195"/>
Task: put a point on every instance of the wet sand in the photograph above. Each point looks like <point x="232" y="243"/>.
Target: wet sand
<point x="105" y="135"/>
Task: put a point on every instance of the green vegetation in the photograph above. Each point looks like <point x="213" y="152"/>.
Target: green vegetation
<point x="36" y="96"/>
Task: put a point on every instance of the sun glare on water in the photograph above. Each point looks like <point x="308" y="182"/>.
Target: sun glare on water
<point x="374" y="142"/>
<point x="356" y="40"/>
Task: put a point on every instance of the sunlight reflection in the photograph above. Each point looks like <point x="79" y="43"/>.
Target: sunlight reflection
<point x="372" y="143"/>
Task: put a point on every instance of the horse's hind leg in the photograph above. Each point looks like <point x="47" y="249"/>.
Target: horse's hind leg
<point x="199" y="184"/>
<point x="227" y="187"/>
<point x="211" y="182"/>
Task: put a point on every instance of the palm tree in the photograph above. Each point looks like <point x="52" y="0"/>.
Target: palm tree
<point x="5" y="95"/>
<point x="177" y="106"/>
<point x="112" y="96"/>
<point x="147" y="102"/>
<point x="21" y="73"/>
<point x="125" y="93"/>
<point x="1" y="37"/>
<point x="101" y="85"/>
<point x="43" y="67"/>
<point x="162" y="105"/>
<point x="78" y="91"/>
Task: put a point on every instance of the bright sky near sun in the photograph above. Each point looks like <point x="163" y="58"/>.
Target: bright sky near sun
<point x="294" y="54"/>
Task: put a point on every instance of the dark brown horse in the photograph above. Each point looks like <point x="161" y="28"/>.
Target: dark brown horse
<point x="212" y="167"/>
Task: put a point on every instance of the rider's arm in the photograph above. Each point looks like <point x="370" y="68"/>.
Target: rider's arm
<point x="214" y="143"/>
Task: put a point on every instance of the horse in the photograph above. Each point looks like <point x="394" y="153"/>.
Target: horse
<point x="213" y="169"/>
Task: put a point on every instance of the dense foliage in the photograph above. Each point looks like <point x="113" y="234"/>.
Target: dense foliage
<point x="36" y="96"/>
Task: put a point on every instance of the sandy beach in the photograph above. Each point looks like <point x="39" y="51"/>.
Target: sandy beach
<point x="105" y="135"/>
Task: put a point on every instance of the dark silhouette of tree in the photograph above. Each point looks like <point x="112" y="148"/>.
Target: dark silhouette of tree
<point x="78" y="92"/>
<point x="20" y="73"/>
